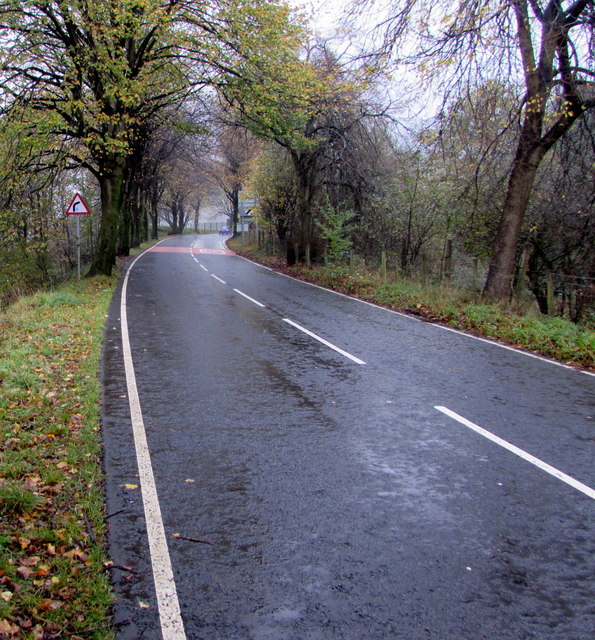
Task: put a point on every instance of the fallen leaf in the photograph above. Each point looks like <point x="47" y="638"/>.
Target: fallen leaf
<point x="8" y="628"/>
<point x="50" y="605"/>
<point x="43" y="571"/>
<point x="30" y="562"/>
<point x="6" y="595"/>
<point x="25" y="572"/>
<point x="143" y="605"/>
<point x="130" y="486"/>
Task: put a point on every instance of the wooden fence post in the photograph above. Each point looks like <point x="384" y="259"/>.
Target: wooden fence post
<point x="448" y="260"/>
<point x="549" y="283"/>
<point x="523" y="267"/>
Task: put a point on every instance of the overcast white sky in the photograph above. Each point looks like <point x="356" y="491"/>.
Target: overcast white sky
<point x="326" y="17"/>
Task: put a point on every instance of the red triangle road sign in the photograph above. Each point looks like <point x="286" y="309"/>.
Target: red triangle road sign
<point x="77" y="206"/>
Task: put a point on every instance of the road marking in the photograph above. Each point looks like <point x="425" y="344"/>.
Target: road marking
<point x="579" y="486"/>
<point x="509" y="348"/>
<point x="262" y="306"/>
<point x="323" y="341"/>
<point x="170" y="618"/>
<point x="218" y="278"/>
<point x="202" y="266"/>
<point x="459" y="332"/>
<point x="213" y="252"/>
<point x="167" y="249"/>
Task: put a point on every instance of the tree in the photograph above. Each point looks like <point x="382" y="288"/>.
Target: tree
<point x="100" y="71"/>
<point x="544" y="47"/>
<point x="228" y="165"/>
<point x="273" y="184"/>
<point x="560" y="234"/>
<point x="97" y="70"/>
<point x="308" y="106"/>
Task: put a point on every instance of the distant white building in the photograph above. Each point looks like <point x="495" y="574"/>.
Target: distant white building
<point x="213" y="212"/>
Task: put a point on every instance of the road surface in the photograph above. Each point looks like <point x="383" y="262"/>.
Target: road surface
<point x="286" y="463"/>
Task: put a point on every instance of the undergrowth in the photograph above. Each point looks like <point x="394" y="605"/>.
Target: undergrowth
<point x="551" y="337"/>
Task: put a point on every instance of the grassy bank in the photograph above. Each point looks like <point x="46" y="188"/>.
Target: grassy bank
<point x="553" y="337"/>
<point x="53" y="582"/>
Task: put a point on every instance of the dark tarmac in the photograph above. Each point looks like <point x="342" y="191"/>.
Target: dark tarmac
<point x="332" y="500"/>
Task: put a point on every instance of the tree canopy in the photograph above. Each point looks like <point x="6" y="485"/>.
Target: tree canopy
<point x="102" y="72"/>
<point x="545" y="48"/>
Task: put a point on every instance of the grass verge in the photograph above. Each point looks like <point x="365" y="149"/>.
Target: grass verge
<point x="551" y="337"/>
<point x="53" y="581"/>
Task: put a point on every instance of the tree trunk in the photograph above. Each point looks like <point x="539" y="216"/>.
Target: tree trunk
<point x="153" y="208"/>
<point x="144" y="216"/>
<point x="533" y="143"/>
<point x="235" y="209"/>
<point x="303" y="234"/>
<point x="498" y="284"/>
<point x="126" y="230"/>
<point x="196" y="214"/>
<point x="111" y="182"/>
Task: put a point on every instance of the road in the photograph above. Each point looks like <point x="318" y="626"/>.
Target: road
<point x="286" y="463"/>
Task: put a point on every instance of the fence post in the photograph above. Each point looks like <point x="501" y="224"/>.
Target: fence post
<point x="448" y="260"/>
<point x="524" y="265"/>
<point x="475" y="273"/>
<point x="549" y="283"/>
<point x="383" y="265"/>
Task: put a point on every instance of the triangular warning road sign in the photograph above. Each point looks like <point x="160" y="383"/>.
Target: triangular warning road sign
<point x="77" y="206"/>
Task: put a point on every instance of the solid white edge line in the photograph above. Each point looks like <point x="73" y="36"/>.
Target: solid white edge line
<point x="507" y="347"/>
<point x="259" y="304"/>
<point x="170" y="618"/>
<point x="579" y="486"/>
<point x="337" y="293"/>
<point x="218" y="278"/>
<point x="439" y="326"/>
<point x="323" y="341"/>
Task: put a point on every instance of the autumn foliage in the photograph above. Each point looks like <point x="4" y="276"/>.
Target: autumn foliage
<point x="53" y="581"/>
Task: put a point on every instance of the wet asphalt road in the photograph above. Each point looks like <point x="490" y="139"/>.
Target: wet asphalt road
<point x="338" y="502"/>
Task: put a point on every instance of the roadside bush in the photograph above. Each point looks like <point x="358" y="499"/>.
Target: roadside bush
<point x="20" y="274"/>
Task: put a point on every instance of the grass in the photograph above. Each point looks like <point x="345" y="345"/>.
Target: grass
<point x="53" y="582"/>
<point x="52" y="522"/>
<point x="551" y="337"/>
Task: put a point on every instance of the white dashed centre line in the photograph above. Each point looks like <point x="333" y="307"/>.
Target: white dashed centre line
<point x="218" y="278"/>
<point x="330" y="345"/>
<point x="258" y="304"/>
<point x="579" y="486"/>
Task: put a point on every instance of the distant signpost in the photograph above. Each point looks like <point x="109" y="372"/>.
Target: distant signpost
<point x="78" y="207"/>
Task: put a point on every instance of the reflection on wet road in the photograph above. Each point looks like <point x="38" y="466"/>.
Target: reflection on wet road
<point x="331" y="500"/>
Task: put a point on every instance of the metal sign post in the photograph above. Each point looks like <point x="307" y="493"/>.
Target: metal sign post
<point x="78" y="248"/>
<point x="78" y="207"/>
